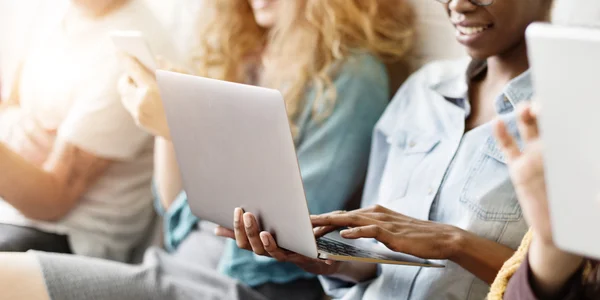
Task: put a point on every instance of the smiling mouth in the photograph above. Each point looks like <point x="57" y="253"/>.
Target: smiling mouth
<point x="472" y="30"/>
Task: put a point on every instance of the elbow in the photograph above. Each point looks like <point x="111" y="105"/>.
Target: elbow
<point x="51" y="212"/>
<point x="48" y="216"/>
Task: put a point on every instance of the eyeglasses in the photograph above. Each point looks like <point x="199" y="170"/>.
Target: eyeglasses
<point x="476" y="2"/>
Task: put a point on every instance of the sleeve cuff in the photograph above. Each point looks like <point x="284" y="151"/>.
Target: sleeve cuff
<point x="520" y="286"/>
<point x="179" y="222"/>
<point x="158" y="206"/>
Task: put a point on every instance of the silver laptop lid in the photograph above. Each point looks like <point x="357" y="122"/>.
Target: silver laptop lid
<point x="235" y="149"/>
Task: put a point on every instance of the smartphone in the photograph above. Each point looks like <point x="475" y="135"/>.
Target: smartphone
<point x="134" y="43"/>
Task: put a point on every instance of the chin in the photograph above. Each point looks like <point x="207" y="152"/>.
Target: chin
<point x="478" y="54"/>
<point x="265" y="21"/>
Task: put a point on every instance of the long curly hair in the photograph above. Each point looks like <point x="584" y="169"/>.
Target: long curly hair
<point x="309" y="39"/>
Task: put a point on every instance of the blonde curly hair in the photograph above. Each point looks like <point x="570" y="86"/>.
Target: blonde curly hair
<point x="309" y="40"/>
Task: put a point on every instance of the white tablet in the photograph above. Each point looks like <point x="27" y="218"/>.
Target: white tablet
<point x="566" y="76"/>
<point x="134" y="43"/>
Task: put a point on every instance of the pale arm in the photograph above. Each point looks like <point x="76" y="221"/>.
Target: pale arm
<point x="551" y="267"/>
<point x="51" y="192"/>
<point x="166" y="172"/>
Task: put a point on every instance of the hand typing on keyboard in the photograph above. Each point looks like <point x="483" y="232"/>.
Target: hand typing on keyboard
<point x="400" y="233"/>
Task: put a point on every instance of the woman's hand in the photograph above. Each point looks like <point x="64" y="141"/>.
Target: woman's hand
<point x="551" y="266"/>
<point x="398" y="232"/>
<point x="527" y="170"/>
<point x="248" y="236"/>
<point x="141" y="97"/>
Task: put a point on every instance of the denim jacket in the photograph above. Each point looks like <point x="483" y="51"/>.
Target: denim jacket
<point x="424" y="165"/>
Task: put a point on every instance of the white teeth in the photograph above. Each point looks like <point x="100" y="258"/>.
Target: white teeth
<point x="470" y="30"/>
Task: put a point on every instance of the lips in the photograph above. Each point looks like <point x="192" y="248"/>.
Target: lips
<point x="471" y="30"/>
<point x="471" y="34"/>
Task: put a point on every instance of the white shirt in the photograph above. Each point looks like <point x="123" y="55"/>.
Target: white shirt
<point x="69" y="82"/>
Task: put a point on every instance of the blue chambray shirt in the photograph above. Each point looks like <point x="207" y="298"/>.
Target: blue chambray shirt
<point x="332" y="154"/>
<point x="424" y="165"/>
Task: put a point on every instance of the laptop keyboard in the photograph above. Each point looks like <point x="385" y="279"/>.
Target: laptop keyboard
<point x="338" y="248"/>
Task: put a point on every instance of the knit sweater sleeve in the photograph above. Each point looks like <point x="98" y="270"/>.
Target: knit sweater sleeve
<point x="509" y="268"/>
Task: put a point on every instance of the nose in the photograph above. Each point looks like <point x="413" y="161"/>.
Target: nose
<point x="461" y="6"/>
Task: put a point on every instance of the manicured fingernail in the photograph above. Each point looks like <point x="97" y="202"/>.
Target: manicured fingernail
<point x="329" y="262"/>
<point x="265" y="240"/>
<point x="247" y="220"/>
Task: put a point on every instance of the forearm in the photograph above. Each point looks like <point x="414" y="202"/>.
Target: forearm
<point x="166" y="172"/>
<point x="356" y="272"/>
<point x="551" y="268"/>
<point x="29" y="189"/>
<point x="481" y="257"/>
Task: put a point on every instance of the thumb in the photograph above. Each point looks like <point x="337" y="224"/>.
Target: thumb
<point x="140" y="74"/>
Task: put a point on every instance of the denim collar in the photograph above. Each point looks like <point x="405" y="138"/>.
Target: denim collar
<point x="455" y="88"/>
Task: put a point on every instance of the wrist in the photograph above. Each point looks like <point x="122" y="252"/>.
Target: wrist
<point x="354" y="272"/>
<point x="458" y="242"/>
<point x="551" y="267"/>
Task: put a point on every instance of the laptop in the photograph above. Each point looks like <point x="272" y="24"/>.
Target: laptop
<point x="565" y="66"/>
<point x="235" y="149"/>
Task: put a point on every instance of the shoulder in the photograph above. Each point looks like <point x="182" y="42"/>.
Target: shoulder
<point x="361" y="80"/>
<point x="363" y="67"/>
<point x="360" y="86"/>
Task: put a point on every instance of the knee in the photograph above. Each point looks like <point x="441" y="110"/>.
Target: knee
<point x="21" y="277"/>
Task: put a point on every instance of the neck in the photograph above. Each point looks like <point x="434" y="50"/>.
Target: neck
<point x="505" y="67"/>
<point x="94" y="11"/>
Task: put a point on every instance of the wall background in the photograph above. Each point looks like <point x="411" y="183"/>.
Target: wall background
<point x="22" y="21"/>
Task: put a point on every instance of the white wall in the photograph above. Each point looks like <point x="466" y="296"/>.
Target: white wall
<point x="578" y="12"/>
<point x="22" y="20"/>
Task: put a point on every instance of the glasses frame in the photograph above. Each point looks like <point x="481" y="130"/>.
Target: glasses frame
<point x="474" y="2"/>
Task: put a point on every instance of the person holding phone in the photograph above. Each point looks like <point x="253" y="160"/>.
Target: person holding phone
<point x="328" y="60"/>
<point x="76" y="170"/>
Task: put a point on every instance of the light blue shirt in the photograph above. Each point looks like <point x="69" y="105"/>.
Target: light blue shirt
<point x="424" y="165"/>
<point x="333" y="156"/>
